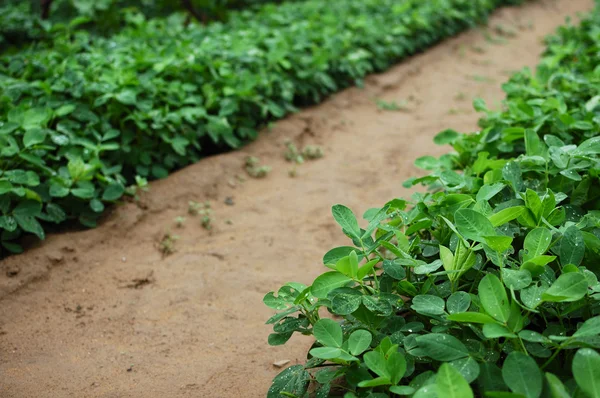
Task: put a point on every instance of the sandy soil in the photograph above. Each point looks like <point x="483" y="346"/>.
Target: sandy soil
<point x="102" y="313"/>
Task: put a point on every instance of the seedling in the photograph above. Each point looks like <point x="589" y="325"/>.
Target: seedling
<point x="254" y="169"/>
<point x="293" y="173"/>
<point x="460" y="96"/>
<point x="292" y="154"/>
<point x="167" y="244"/>
<point x="194" y="207"/>
<point x="312" y="152"/>
<point x="390" y="106"/>
<point x="179" y="221"/>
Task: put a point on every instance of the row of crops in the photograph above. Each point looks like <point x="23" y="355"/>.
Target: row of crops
<point x="83" y="116"/>
<point x="488" y="284"/>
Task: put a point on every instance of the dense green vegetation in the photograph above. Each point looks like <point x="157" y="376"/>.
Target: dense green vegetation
<point x="488" y="284"/>
<point x="23" y="21"/>
<point x="83" y="115"/>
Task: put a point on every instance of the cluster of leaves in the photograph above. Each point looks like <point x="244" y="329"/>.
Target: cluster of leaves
<point x="85" y="115"/>
<point x="488" y="284"/>
<point x="25" y="21"/>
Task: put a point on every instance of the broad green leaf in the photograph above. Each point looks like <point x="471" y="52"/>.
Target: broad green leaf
<point x="442" y="347"/>
<point x="30" y="224"/>
<point x="402" y="390"/>
<point x="346" y="219"/>
<point x="379" y="381"/>
<point x="34" y="136"/>
<point x="572" y="246"/>
<point x="557" y="388"/>
<point x="447" y="258"/>
<point x="376" y="362"/>
<point x="428" y="305"/>
<point x="536" y="243"/>
<point x="326" y="352"/>
<point x="113" y="192"/>
<point x="498" y="243"/>
<point x="494" y="331"/>
<point x="396" y="365"/>
<point x="447" y="136"/>
<point x="494" y="298"/>
<point x="334" y="255"/>
<point x="522" y="375"/>
<point x="490" y="377"/>
<point x="450" y="383"/>
<point x="458" y="302"/>
<point x="586" y="369"/>
<point x="470" y="317"/>
<point x="293" y="380"/>
<point x="359" y="341"/>
<point x="533" y="337"/>
<point x="506" y="215"/>
<point x="394" y="269"/>
<point x="467" y="367"/>
<point x="535" y="265"/>
<point x="589" y="147"/>
<point x="488" y="191"/>
<point x="327" y="282"/>
<point x="328" y="332"/>
<point x="591" y="327"/>
<point x="516" y="279"/>
<point x="473" y="225"/>
<point x="344" y="303"/>
<point x="568" y="287"/>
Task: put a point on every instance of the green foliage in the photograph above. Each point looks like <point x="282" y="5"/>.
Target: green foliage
<point x="82" y="116"/>
<point x="488" y="284"/>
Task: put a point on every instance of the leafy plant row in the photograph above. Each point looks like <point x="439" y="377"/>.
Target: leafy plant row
<point x="22" y="21"/>
<point x="488" y="284"/>
<point x="86" y="115"/>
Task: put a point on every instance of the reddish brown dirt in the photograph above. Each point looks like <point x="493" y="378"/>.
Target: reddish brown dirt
<point x="73" y="323"/>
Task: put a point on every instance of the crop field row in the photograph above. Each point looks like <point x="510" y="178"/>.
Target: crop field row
<point x="487" y="285"/>
<point x="87" y="118"/>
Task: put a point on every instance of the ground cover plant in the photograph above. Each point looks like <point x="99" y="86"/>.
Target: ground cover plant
<point x="487" y="285"/>
<point x="83" y="116"/>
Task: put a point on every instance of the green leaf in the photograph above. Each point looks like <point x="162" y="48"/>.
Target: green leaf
<point x="379" y="381"/>
<point x="450" y="383"/>
<point x="470" y="317"/>
<point x="447" y="258"/>
<point x="34" y="136"/>
<point x="506" y="215"/>
<point x="488" y="191"/>
<point x="522" y="375"/>
<point x="334" y="255"/>
<point x="494" y="331"/>
<point x="293" y="380"/>
<point x="467" y="367"/>
<point x="344" y="304"/>
<point x="591" y="327"/>
<point x="396" y="365"/>
<point x="568" y="287"/>
<point x="447" y="136"/>
<point x="359" y="341"/>
<point x="498" y="243"/>
<point x="458" y="302"/>
<point x="393" y="269"/>
<point x="586" y="369"/>
<point x="494" y="299"/>
<point x="376" y="362"/>
<point x="346" y="219"/>
<point x="516" y="279"/>
<point x="536" y="243"/>
<point x="557" y="388"/>
<point x="402" y="390"/>
<point x="572" y="246"/>
<point x="326" y="352"/>
<point x="473" y="225"/>
<point x="113" y="192"/>
<point x="442" y="347"/>
<point x="328" y="332"/>
<point x="428" y="305"/>
<point x="30" y="224"/>
<point x="327" y="282"/>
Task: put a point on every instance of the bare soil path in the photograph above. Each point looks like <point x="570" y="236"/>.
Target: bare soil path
<point x="102" y="313"/>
